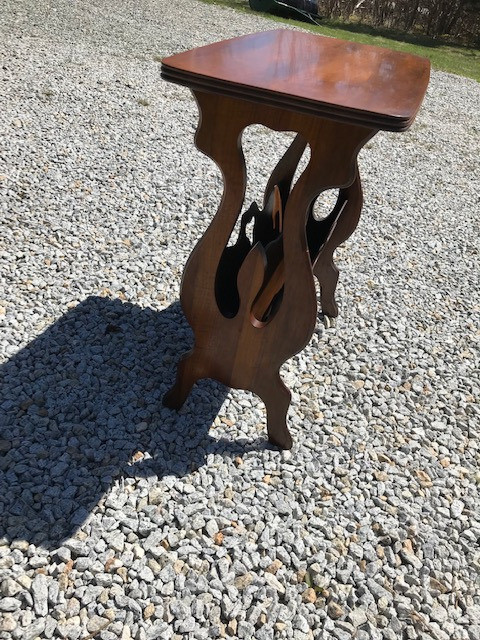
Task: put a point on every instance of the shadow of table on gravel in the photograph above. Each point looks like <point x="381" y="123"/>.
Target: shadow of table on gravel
<point x="82" y="402"/>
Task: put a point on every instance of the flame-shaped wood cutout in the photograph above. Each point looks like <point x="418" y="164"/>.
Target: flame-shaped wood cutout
<point x="277" y="213"/>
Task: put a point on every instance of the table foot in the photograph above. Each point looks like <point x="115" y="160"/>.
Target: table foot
<point x="276" y="398"/>
<point x="189" y="370"/>
<point x="324" y="236"/>
<point x="327" y="275"/>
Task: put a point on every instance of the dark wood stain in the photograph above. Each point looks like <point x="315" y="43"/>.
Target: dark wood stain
<point x="310" y="73"/>
<point x="253" y="306"/>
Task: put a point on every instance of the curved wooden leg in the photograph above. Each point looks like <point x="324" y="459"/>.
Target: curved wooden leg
<point x="189" y="370"/>
<point x="276" y="397"/>
<point x="349" y="206"/>
<point x="327" y="275"/>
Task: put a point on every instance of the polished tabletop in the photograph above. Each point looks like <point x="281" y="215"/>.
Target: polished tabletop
<point x="309" y="73"/>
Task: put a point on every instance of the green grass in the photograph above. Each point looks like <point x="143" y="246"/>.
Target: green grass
<point x="453" y="58"/>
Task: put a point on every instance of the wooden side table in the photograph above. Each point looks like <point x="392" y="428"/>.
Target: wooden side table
<point x="253" y="305"/>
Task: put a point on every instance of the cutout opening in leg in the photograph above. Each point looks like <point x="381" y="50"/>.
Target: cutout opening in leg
<point x="322" y="218"/>
<point x="324" y="204"/>
<point x="271" y="157"/>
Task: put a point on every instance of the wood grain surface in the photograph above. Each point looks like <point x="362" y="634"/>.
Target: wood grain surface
<point x="310" y="73"/>
<point x="243" y="350"/>
<point x="252" y="305"/>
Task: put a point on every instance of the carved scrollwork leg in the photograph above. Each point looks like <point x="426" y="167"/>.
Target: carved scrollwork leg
<point x="339" y="226"/>
<point x="247" y="347"/>
<point x="276" y="398"/>
<point x="189" y="370"/>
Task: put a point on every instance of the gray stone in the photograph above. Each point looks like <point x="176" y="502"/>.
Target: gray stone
<point x="9" y="604"/>
<point x="115" y="540"/>
<point x="211" y="528"/>
<point x="9" y="587"/>
<point x="357" y="617"/>
<point x="77" y="547"/>
<point x="187" y="625"/>
<point x="37" y="561"/>
<point x="274" y="582"/>
<point x="167" y="574"/>
<point x="40" y="594"/>
<point x="456" y="508"/>
<point x="96" y="624"/>
<point x="63" y="554"/>
<point x="36" y="629"/>
<point x="146" y="574"/>
<point x="377" y="590"/>
<point x="438" y="613"/>
<point x="126" y="602"/>
<point x="103" y="198"/>
<point x="7" y="623"/>
<point x="299" y="622"/>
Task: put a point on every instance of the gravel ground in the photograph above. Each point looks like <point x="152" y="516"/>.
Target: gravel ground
<point x="121" y="519"/>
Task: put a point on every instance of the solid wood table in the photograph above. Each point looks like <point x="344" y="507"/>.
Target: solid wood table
<point x="253" y="305"/>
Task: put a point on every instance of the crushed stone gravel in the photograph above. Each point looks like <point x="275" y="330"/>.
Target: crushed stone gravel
<point x="122" y="519"/>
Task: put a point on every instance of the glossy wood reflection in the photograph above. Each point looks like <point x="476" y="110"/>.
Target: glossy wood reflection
<point x="252" y="305"/>
<point x="306" y="72"/>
